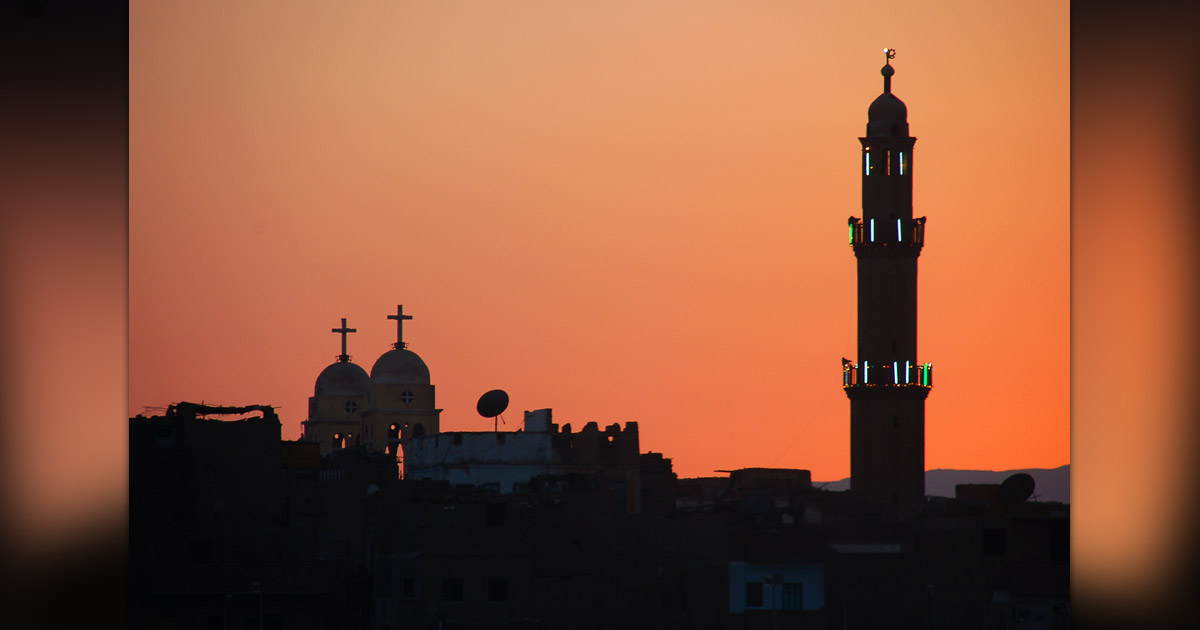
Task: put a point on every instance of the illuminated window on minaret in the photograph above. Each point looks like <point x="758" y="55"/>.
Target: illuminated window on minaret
<point x="867" y="162"/>
<point x="887" y="162"/>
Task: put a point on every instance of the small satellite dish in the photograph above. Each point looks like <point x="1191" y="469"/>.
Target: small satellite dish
<point x="492" y="403"/>
<point x="1016" y="488"/>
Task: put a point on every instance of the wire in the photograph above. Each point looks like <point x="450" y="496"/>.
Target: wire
<point x="806" y="425"/>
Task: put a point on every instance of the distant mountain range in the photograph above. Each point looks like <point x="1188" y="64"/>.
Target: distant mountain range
<point x="1050" y="484"/>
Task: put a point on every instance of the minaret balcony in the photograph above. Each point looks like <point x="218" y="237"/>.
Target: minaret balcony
<point x="887" y="234"/>
<point x="882" y="375"/>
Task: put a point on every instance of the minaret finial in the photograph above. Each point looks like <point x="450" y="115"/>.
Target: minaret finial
<point x="343" y="330"/>
<point x="399" y="317"/>
<point x="888" y="71"/>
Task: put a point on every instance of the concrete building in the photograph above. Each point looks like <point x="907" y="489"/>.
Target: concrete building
<point x="506" y="461"/>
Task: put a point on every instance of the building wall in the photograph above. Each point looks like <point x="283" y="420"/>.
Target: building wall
<point x="810" y="577"/>
<point x="505" y="460"/>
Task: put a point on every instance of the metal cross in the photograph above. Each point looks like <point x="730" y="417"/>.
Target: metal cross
<point x="343" y="330"/>
<point x="399" y="317"/>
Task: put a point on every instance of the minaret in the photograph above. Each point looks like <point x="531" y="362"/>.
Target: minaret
<point x="887" y="386"/>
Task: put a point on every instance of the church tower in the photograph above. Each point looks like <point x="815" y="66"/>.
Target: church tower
<point x="402" y="397"/>
<point x="887" y="386"/>
<point x="338" y="400"/>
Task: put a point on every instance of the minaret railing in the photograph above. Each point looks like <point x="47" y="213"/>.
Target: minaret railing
<point x="887" y="232"/>
<point x="885" y="374"/>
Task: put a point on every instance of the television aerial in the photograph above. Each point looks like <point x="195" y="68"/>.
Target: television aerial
<point x="491" y="405"/>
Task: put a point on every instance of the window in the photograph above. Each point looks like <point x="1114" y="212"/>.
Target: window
<point x="993" y="541"/>
<point x="754" y="594"/>
<point x="498" y="590"/>
<point x="792" y="597"/>
<point x="1060" y="544"/>
<point x="452" y="590"/>
<point x="200" y="550"/>
<point x="495" y="512"/>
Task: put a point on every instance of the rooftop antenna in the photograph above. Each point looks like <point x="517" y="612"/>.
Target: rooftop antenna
<point x="491" y="405"/>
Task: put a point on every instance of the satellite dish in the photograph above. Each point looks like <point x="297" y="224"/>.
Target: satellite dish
<point x="1016" y="488"/>
<point x="492" y="403"/>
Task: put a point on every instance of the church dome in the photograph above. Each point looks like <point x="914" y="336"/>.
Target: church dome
<point x="400" y="367"/>
<point x="342" y="379"/>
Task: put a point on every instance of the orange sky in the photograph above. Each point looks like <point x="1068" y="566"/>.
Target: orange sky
<point x="623" y="211"/>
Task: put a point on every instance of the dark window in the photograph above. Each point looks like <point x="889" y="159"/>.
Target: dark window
<point x="792" y="597"/>
<point x="754" y="594"/>
<point x="1060" y="544"/>
<point x="993" y="541"/>
<point x="201" y="550"/>
<point x="418" y="430"/>
<point x="895" y="421"/>
<point x="408" y="587"/>
<point x="498" y="590"/>
<point x="495" y="514"/>
<point x="452" y="590"/>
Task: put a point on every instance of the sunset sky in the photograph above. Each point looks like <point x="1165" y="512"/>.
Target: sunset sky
<point x="624" y="211"/>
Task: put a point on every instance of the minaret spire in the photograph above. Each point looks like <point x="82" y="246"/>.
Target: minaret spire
<point x="343" y="357"/>
<point x="888" y="70"/>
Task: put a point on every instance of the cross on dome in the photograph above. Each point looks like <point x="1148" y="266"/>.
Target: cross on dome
<point x="344" y="331"/>
<point x="399" y="317"/>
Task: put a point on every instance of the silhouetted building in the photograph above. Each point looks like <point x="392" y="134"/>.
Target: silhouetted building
<point x="233" y="527"/>
<point x="506" y="461"/>
<point x="378" y="412"/>
<point x="887" y="386"/>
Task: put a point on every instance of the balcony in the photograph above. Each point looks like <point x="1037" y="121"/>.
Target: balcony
<point x="887" y="233"/>
<point x="887" y="375"/>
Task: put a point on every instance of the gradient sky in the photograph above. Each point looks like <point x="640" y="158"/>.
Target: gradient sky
<point x="622" y="211"/>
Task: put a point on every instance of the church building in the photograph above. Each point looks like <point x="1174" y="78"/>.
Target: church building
<point x="378" y="412"/>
